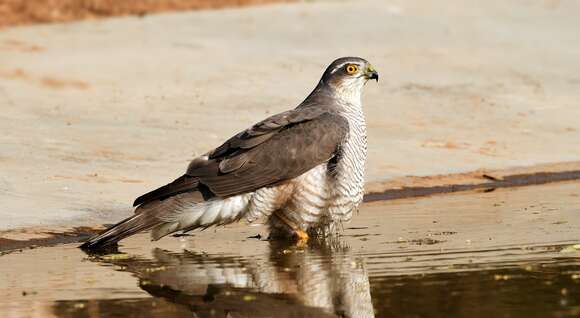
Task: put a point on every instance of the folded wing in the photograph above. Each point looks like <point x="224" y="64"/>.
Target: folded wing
<point x="279" y="148"/>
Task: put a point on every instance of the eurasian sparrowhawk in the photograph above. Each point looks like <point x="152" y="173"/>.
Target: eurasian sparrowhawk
<point x="302" y="170"/>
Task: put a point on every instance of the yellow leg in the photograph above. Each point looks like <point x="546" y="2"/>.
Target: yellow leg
<point x="301" y="238"/>
<point x="300" y="235"/>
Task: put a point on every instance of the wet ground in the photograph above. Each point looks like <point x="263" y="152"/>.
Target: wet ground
<point x="503" y="253"/>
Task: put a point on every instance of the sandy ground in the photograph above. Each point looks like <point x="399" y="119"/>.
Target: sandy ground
<point x="20" y="12"/>
<point x="96" y="113"/>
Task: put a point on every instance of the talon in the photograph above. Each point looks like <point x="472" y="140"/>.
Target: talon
<point x="301" y="237"/>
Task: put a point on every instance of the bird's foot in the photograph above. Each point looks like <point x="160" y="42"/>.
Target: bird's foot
<point x="291" y="230"/>
<point x="301" y="238"/>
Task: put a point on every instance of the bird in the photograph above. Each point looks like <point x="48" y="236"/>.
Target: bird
<point x="301" y="170"/>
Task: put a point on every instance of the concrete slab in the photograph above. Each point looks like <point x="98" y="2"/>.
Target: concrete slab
<point x="95" y="113"/>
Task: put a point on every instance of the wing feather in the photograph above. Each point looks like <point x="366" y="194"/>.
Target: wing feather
<point x="265" y="130"/>
<point x="276" y="149"/>
<point x="182" y="184"/>
<point x="287" y="154"/>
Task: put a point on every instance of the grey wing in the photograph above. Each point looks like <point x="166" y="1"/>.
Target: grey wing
<point x="265" y="129"/>
<point x="278" y="148"/>
<point x="294" y="145"/>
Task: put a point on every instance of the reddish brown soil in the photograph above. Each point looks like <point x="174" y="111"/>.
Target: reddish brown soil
<point x="18" y="12"/>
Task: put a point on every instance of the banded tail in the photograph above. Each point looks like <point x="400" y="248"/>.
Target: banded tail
<point x="121" y="230"/>
<point x="178" y="206"/>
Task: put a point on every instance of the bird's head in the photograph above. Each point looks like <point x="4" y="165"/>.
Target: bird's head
<point x="347" y="75"/>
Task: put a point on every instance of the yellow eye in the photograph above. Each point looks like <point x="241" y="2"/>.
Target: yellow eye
<point x="351" y="69"/>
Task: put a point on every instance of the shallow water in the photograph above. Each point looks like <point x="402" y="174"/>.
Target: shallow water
<point x="506" y="253"/>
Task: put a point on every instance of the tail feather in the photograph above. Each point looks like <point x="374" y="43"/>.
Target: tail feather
<point x="127" y="227"/>
<point x="182" y="212"/>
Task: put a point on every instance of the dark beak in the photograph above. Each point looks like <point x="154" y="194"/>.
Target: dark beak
<point x="373" y="75"/>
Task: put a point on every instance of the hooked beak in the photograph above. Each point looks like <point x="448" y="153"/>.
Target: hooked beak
<point x="371" y="74"/>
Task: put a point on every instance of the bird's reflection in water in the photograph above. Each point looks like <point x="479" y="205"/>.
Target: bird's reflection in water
<point x="320" y="280"/>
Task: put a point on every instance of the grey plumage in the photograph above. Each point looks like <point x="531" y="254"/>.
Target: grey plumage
<point x="302" y="169"/>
